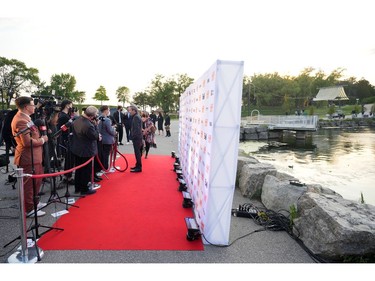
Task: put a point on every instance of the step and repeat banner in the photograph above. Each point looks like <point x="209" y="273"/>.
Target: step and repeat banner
<point x="209" y="125"/>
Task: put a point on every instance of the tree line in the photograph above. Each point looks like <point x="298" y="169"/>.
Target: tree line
<point x="270" y="89"/>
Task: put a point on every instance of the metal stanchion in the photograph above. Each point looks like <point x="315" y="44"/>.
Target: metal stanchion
<point x="25" y="253"/>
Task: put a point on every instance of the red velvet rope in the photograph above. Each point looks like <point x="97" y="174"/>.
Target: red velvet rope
<point x="63" y="172"/>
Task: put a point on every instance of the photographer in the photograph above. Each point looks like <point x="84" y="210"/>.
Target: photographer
<point x="63" y="141"/>
<point x="108" y="135"/>
<point x="84" y="146"/>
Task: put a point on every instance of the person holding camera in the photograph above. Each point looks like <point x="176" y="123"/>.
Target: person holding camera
<point x="63" y="149"/>
<point x="29" y="152"/>
<point x="84" y="146"/>
<point x="108" y="135"/>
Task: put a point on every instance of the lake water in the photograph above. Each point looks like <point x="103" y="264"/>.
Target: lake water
<point x="340" y="159"/>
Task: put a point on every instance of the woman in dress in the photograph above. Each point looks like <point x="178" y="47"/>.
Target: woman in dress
<point x="148" y="130"/>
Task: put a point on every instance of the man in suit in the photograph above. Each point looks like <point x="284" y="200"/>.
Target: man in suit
<point x="137" y="138"/>
<point x="128" y="124"/>
<point x="29" y="153"/>
<point x="119" y="119"/>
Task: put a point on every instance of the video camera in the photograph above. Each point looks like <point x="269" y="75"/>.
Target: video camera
<point x="48" y="103"/>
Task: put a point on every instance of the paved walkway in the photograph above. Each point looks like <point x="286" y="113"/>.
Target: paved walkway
<point x="260" y="247"/>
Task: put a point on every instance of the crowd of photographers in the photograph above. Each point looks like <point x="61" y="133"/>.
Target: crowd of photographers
<point x="46" y="137"/>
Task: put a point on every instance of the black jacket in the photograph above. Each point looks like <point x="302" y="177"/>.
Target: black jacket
<point x="85" y="137"/>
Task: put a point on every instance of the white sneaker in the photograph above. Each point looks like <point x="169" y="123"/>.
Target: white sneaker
<point x="128" y="143"/>
<point x="112" y="170"/>
<point x="41" y="205"/>
<point x="38" y="213"/>
<point x="96" y="185"/>
<point x="99" y="174"/>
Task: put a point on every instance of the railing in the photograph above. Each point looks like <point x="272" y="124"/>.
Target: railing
<point x="286" y="122"/>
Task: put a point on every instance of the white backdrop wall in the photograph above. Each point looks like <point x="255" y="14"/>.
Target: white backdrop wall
<point x="210" y="117"/>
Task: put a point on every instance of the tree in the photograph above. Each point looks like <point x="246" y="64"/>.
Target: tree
<point x="122" y="94"/>
<point x="163" y="92"/>
<point x="64" y="86"/>
<point x="16" y="77"/>
<point x="141" y="99"/>
<point x="101" y="95"/>
<point x="182" y="81"/>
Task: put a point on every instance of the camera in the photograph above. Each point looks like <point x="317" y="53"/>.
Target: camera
<point x="48" y="104"/>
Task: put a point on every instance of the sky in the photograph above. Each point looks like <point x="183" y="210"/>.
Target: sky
<point x="126" y="43"/>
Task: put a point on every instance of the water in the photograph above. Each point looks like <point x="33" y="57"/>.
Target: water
<point x="340" y="159"/>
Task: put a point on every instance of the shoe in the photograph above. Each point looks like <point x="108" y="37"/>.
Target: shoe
<point x="112" y="170"/>
<point x="127" y="143"/>
<point x="88" y="192"/>
<point x="96" y="185"/>
<point x="38" y="213"/>
<point x="136" y="170"/>
<point x="97" y="179"/>
<point x="132" y="168"/>
<point x="41" y="205"/>
<point x="121" y="143"/>
<point x="99" y="174"/>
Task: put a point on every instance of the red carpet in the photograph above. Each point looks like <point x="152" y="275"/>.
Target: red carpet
<point x="131" y="211"/>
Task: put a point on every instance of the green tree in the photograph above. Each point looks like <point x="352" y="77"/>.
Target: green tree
<point x="141" y="99"/>
<point x="101" y="95"/>
<point x="122" y="94"/>
<point x="163" y="91"/>
<point x="182" y="81"/>
<point x="15" y="78"/>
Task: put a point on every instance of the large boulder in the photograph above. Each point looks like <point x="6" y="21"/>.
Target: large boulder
<point x="252" y="177"/>
<point x="333" y="227"/>
<point x="279" y="194"/>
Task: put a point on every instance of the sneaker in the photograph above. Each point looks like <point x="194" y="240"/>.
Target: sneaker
<point x="96" y="185"/>
<point x="38" y="213"/>
<point x="99" y="174"/>
<point x="128" y="143"/>
<point x="88" y="192"/>
<point x="112" y="170"/>
<point x="41" y="205"/>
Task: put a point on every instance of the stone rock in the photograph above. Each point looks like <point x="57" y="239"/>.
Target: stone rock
<point x="278" y="195"/>
<point x="333" y="227"/>
<point x="244" y="160"/>
<point x="251" y="178"/>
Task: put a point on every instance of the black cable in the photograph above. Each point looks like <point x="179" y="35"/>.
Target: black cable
<point x="275" y="221"/>
<point x="235" y="240"/>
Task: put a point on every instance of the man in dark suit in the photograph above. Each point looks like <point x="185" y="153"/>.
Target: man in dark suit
<point x="29" y="153"/>
<point x="128" y="124"/>
<point x="84" y="146"/>
<point x="137" y="138"/>
<point x="119" y="119"/>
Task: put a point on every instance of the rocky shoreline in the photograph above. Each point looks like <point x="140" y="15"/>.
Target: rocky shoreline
<point x="330" y="226"/>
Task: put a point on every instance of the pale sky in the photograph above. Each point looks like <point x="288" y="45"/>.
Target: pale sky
<point x="126" y="43"/>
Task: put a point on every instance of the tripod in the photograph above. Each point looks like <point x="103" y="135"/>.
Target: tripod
<point x="67" y="163"/>
<point x="55" y="197"/>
